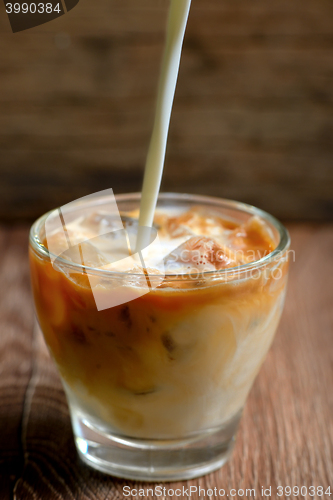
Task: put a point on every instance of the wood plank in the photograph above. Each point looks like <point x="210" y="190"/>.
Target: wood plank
<point x="16" y="320"/>
<point x="286" y="435"/>
<point x="254" y="102"/>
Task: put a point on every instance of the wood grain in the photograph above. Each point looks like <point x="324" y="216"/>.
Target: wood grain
<point x="286" y="435"/>
<point x="252" y="117"/>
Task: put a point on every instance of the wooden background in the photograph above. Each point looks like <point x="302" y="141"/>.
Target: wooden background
<point x="286" y="434"/>
<point x="252" y="118"/>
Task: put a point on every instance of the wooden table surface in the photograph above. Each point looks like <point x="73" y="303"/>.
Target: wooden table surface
<point x="286" y="435"/>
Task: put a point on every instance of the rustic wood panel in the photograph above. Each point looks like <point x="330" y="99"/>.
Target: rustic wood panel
<point x="286" y="435"/>
<point x="16" y="313"/>
<point x="252" y="118"/>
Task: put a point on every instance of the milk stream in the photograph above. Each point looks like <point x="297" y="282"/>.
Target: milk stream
<point x="178" y="15"/>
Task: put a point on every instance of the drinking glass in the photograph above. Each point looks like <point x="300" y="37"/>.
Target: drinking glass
<point x="156" y="385"/>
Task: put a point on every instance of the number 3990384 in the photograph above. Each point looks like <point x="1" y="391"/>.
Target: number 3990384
<point x="32" y="8"/>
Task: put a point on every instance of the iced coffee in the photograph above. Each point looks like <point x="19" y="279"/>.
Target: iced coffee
<point x="178" y="362"/>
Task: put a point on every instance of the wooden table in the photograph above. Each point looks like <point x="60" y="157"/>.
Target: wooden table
<point x="286" y="435"/>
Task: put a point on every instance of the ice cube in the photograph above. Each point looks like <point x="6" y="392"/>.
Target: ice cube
<point x="100" y="219"/>
<point x="200" y="253"/>
<point x="253" y="238"/>
<point x="196" y="221"/>
<point x="85" y="254"/>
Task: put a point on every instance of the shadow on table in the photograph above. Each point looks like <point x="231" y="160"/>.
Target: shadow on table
<point x="49" y="464"/>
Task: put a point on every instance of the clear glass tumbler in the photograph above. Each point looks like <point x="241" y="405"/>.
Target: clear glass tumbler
<point x="156" y="386"/>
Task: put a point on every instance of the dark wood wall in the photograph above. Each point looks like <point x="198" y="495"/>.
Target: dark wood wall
<point x="252" y="118"/>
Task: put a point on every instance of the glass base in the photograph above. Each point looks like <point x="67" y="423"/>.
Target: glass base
<point x="154" y="460"/>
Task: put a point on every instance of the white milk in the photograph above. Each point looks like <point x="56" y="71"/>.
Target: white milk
<point x="178" y="14"/>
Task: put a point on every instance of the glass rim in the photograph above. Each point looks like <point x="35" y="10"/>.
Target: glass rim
<point x="278" y="252"/>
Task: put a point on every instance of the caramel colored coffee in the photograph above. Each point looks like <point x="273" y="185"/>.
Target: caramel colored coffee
<point x="182" y="358"/>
